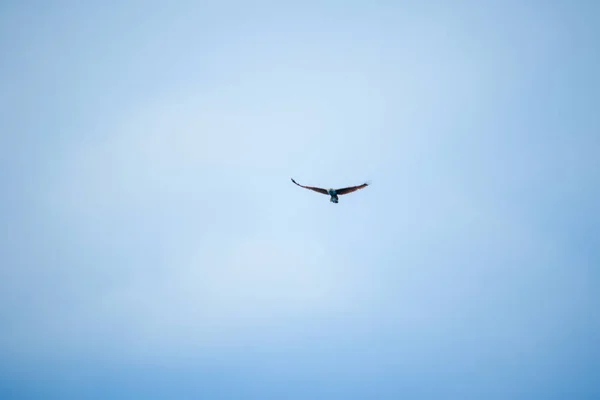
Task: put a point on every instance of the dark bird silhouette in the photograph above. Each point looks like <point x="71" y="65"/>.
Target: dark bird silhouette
<point x="334" y="193"/>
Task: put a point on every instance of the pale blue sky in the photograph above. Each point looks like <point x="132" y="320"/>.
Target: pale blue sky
<point x="153" y="246"/>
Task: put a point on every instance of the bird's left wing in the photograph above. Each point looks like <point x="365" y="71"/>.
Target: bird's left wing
<point x="316" y="189"/>
<point x="351" y="189"/>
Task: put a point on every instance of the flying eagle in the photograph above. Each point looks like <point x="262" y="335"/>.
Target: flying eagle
<point x="333" y="192"/>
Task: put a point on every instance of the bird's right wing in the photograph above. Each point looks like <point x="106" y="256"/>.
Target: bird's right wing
<point x="316" y="189"/>
<point x="351" y="189"/>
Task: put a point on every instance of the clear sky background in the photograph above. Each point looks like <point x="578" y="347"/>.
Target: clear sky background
<point x="153" y="246"/>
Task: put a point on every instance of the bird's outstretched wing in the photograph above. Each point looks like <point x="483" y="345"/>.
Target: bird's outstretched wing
<point x="316" y="189"/>
<point x="350" y="189"/>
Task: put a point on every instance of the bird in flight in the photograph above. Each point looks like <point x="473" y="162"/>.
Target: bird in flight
<point x="334" y="193"/>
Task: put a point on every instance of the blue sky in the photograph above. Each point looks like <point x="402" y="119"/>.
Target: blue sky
<point x="153" y="246"/>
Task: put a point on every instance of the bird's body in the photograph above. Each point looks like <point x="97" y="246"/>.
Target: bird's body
<point x="333" y="193"/>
